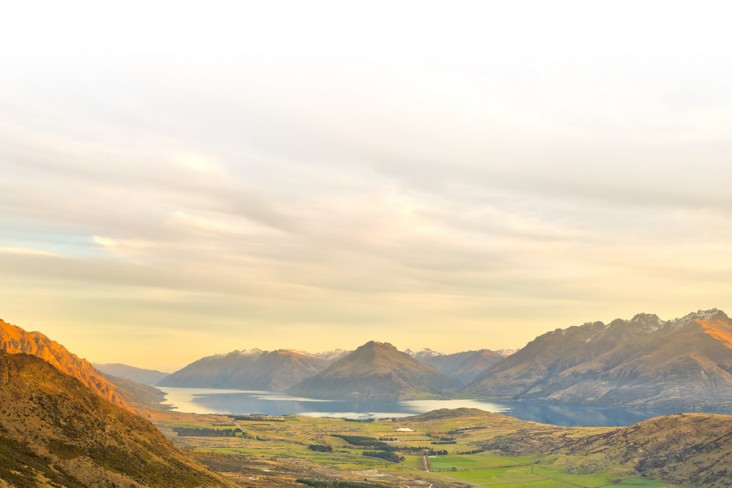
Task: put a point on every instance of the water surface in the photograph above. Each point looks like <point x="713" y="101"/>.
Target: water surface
<point x="206" y="400"/>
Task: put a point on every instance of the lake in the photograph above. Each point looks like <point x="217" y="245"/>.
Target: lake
<point x="206" y="400"/>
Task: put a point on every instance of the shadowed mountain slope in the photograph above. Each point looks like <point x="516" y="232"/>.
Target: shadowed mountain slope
<point x="55" y="432"/>
<point x="375" y="371"/>
<point x="248" y="370"/>
<point x="684" y="363"/>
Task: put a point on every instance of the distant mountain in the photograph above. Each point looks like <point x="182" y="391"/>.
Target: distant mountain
<point x="423" y="353"/>
<point x="139" y="375"/>
<point x="464" y="366"/>
<point x="140" y="397"/>
<point x="506" y="352"/>
<point x="248" y="370"/>
<point x="375" y="371"/>
<point x="14" y="340"/>
<point x="333" y="355"/>
<point x="54" y="431"/>
<point x="684" y="364"/>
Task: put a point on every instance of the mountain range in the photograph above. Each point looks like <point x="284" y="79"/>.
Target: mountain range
<point x="680" y="364"/>
<point x="282" y="369"/>
<point x="684" y="363"/>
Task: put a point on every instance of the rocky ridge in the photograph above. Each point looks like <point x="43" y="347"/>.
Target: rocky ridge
<point x="681" y="364"/>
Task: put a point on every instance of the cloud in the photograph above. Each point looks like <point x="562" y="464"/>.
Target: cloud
<point x="361" y="171"/>
<point x="25" y="251"/>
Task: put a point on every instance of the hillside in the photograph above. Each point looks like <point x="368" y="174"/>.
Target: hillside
<point x="248" y="370"/>
<point x="375" y="371"/>
<point x="14" y="340"/>
<point x="139" y="375"/>
<point x="55" y="432"/>
<point x="687" y="449"/>
<point x="464" y="366"/>
<point x="684" y="364"/>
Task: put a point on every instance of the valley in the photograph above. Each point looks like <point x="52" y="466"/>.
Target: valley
<point x="467" y="447"/>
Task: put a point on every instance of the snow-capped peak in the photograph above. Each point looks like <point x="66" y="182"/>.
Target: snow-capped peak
<point x="711" y="314"/>
<point x="649" y="321"/>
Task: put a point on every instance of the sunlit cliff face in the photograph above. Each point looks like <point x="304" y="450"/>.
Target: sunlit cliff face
<point x="177" y="182"/>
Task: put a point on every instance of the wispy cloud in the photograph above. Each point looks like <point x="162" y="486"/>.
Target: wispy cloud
<point x="25" y="251"/>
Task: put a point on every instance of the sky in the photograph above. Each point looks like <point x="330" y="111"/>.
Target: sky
<point x="180" y="178"/>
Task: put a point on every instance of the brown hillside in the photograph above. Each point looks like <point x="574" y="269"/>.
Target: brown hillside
<point x="690" y="450"/>
<point x="55" y="432"/>
<point x="14" y="340"/>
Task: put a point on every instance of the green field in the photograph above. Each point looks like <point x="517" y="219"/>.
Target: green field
<point x="491" y="470"/>
<point x="478" y="461"/>
<point x="486" y="470"/>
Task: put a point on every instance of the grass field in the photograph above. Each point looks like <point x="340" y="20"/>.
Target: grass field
<point x="280" y="449"/>
<point x="488" y="472"/>
<point x="492" y="470"/>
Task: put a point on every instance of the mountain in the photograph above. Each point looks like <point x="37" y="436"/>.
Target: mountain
<point x="248" y="370"/>
<point x="14" y="340"/>
<point x="54" y="431"/>
<point x="684" y="363"/>
<point x="463" y="366"/>
<point x="139" y="375"/>
<point x="375" y="371"/>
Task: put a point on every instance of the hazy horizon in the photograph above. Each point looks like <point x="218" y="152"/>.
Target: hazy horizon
<point x="180" y="181"/>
